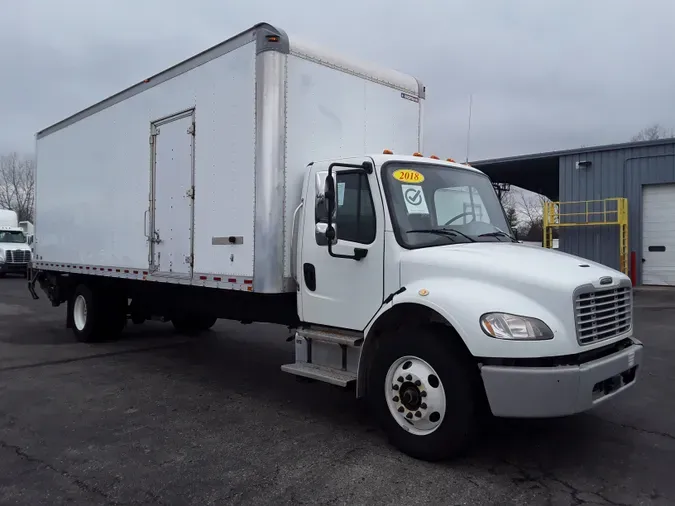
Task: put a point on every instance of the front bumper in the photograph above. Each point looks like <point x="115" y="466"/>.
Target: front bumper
<point x="12" y="267"/>
<point x="550" y="391"/>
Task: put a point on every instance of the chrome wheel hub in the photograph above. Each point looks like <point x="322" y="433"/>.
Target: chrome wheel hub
<point x="415" y="395"/>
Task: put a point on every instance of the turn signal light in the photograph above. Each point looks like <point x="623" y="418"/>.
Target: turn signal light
<point x="417" y="153"/>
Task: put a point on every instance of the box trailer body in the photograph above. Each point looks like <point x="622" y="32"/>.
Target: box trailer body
<point x="123" y="188"/>
<point x="242" y="184"/>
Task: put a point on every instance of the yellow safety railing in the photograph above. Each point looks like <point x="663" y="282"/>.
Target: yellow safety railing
<point x="586" y="213"/>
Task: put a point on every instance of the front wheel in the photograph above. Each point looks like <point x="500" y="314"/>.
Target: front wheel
<point x="423" y="389"/>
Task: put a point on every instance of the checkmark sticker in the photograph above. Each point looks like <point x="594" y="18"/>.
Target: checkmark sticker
<point x="415" y="202"/>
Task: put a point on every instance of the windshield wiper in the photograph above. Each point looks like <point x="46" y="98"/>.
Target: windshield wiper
<point x="497" y="234"/>
<point x="441" y="231"/>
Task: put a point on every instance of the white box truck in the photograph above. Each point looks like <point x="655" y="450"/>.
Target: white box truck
<point x="240" y="184"/>
<point x="15" y="250"/>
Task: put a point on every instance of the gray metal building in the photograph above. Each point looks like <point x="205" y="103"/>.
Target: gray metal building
<point x="641" y="172"/>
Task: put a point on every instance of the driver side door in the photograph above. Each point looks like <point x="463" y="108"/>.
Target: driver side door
<point x="342" y="292"/>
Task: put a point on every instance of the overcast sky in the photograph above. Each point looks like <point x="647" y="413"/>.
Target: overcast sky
<point x="544" y="74"/>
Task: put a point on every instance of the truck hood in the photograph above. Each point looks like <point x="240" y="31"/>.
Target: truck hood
<point x="4" y="246"/>
<point x="513" y="265"/>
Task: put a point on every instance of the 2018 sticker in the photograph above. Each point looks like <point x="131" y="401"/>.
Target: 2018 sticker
<point x="408" y="176"/>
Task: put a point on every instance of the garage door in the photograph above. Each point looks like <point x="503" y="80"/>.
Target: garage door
<point x="658" y="234"/>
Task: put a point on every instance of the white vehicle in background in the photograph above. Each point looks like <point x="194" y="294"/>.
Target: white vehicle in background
<point x="28" y="229"/>
<point x="241" y="184"/>
<point x="15" y="252"/>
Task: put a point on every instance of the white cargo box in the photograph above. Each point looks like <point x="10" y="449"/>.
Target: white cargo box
<point x="193" y="175"/>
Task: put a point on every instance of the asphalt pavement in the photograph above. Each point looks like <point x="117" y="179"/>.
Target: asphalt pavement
<point x="159" y="419"/>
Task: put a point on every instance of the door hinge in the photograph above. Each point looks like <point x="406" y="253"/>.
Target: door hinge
<point x="191" y="129"/>
<point x="190" y="192"/>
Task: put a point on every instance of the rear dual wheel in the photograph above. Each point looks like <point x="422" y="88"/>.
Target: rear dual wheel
<point x="193" y="323"/>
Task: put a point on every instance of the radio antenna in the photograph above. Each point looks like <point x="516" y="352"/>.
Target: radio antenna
<point x="468" y="131"/>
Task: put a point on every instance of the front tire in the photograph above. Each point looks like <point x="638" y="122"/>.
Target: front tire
<point x="423" y="388"/>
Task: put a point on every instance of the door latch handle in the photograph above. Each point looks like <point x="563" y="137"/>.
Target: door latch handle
<point x="145" y="223"/>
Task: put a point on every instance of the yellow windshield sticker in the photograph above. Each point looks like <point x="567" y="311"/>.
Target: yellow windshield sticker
<point x="408" y="176"/>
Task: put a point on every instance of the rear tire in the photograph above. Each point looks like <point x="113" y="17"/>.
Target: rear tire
<point x="423" y="388"/>
<point x="193" y="324"/>
<point x="96" y="315"/>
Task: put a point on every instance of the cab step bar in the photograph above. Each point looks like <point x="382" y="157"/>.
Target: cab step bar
<point x="326" y="355"/>
<point x="320" y="373"/>
<point x="343" y="338"/>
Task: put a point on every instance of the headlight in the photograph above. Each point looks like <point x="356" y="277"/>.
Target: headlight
<point x="510" y="326"/>
<point x="2" y="256"/>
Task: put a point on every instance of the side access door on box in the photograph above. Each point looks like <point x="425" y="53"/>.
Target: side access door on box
<point x="172" y="195"/>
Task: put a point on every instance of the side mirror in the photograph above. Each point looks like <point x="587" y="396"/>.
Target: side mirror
<point x="329" y="195"/>
<point x="323" y="235"/>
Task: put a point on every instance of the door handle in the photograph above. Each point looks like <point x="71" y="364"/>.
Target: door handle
<point x="309" y="272"/>
<point x="145" y="224"/>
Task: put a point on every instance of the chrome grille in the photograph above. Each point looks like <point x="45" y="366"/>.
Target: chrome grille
<point x="603" y="314"/>
<point x="17" y="256"/>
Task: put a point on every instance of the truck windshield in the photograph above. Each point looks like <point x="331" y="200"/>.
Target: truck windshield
<point x="12" y="236"/>
<point x="434" y="205"/>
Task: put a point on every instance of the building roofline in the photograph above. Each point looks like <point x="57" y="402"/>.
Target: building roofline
<point x="567" y="152"/>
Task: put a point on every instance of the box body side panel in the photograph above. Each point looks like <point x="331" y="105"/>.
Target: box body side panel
<point x="94" y="177"/>
<point x="224" y="169"/>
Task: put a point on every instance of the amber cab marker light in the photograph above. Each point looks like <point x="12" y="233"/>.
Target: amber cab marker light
<point x="434" y="157"/>
<point x="450" y="160"/>
<point x="417" y="153"/>
<point x="272" y="38"/>
<point x="387" y="152"/>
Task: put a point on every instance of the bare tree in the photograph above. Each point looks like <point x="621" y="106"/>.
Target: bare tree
<point x="530" y="207"/>
<point x="507" y="201"/>
<point x="17" y="185"/>
<point x="652" y="133"/>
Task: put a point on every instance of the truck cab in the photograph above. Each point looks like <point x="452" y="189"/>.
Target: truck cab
<point x="411" y="283"/>
<point x="15" y="252"/>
